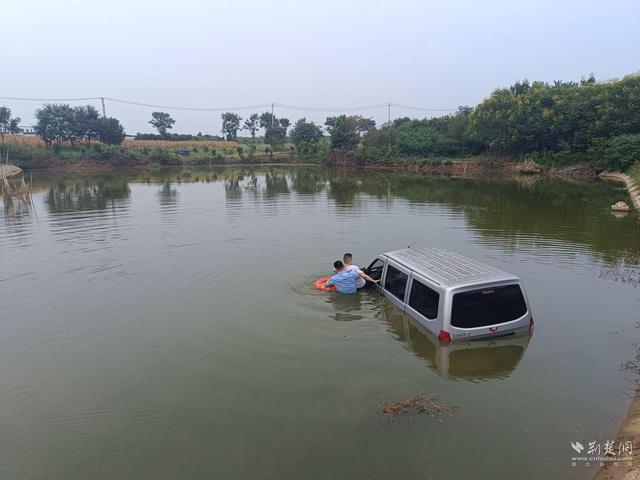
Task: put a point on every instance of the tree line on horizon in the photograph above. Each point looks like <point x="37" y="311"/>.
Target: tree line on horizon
<point x="561" y="122"/>
<point x="539" y="120"/>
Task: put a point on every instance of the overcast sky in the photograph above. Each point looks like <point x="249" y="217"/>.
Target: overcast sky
<point x="322" y="53"/>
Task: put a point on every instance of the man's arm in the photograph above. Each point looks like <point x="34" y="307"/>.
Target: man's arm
<point x="329" y="281"/>
<point x="367" y="277"/>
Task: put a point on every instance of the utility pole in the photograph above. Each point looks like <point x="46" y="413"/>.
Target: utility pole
<point x="389" y="120"/>
<point x="272" y="115"/>
<point x="104" y="111"/>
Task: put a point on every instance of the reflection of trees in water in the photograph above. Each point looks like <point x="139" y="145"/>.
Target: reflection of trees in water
<point x="276" y="183"/>
<point x="167" y="194"/>
<point x="232" y="188"/>
<point x="89" y="195"/>
<point x="251" y="184"/>
<point x="514" y="212"/>
<point x="506" y="209"/>
<point x="344" y="190"/>
<point x="307" y="181"/>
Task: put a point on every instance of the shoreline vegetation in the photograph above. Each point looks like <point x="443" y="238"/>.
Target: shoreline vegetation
<point x="579" y="128"/>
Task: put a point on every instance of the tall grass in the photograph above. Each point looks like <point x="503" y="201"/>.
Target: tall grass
<point x="29" y="140"/>
<point x="34" y="141"/>
<point x="27" y="151"/>
<point x="179" y="144"/>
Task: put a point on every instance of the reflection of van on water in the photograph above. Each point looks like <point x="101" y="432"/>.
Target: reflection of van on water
<point x="467" y="360"/>
<point x="453" y="296"/>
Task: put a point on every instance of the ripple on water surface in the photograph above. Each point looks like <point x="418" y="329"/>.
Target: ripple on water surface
<point x="177" y="320"/>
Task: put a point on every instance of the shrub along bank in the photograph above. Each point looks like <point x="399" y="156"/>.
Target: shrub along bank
<point x="29" y="153"/>
<point x="557" y="124"/>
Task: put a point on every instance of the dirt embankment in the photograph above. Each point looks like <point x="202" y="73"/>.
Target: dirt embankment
<point x="459" y="167"/>
<point x="462" y="167"/>
<point x="629" y="431"/>
<point x="90" y="165"/>
<point x="634" y="190"/>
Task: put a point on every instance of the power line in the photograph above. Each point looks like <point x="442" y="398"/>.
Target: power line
<point x="25" y="99"/>
<point x="245" y="107"/>
<point x="409" y="107"/>
<point x="319" y="109"/>
<point x="200" y="109"/>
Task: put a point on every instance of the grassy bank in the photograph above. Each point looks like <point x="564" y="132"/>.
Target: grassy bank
<point x="29" y="152"/>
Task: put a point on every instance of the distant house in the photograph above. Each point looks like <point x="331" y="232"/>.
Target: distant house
<point x="24" y="130"/>
<point x="27" y="130"/>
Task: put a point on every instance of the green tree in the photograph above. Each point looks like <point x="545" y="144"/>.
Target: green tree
<point x="252" y="124"/>
<point x="275" y="129"/>
<point x="621" y="153"/>
<point x="230" y="125"/>
<point x="55" y="123"/>
<point x="419" y="138"/>
<point x="267" y="119"/>
<point x="307" y="132"/>
<point x="162" y="122"/>
<point x="8" y="124"/>
<point x="346" y="131"/>
<point x="84" y="124"/>
<point x="547" y="118"/>
<point x="305" y="136"/>
<point x="493" y="121"/>
<point x="284" y="124"/>
<point x="110" y="131"/>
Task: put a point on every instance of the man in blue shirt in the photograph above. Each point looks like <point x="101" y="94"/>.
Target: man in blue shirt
<point x="346" y="281"/>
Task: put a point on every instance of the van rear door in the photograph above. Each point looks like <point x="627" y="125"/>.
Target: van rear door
<point x="490" y="310"/>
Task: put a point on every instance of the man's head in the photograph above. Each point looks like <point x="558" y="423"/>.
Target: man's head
<point x="338" y="266"/>
<point x="347" y="258"/>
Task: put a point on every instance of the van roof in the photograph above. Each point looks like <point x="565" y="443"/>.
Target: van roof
<point x="446" y="268"/>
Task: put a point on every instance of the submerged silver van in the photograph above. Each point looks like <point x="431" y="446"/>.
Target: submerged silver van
<point x="452" y="296"/>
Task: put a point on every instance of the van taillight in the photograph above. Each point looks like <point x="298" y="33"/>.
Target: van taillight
<point x="444" y="337"/>
<point x="531" y="324"/>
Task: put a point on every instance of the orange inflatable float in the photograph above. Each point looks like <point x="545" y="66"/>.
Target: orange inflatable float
<point x="321" y="284"/>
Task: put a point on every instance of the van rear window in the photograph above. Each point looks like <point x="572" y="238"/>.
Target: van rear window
<point x="487" y="306"/>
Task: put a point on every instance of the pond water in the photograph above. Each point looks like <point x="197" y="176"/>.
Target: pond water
<point x="164" y="326"/>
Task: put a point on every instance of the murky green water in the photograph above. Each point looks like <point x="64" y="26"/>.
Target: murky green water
<point x="164" y="327"/>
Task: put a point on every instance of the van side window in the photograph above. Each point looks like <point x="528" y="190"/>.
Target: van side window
<point x="424" y="300"/>
<point x="375" y="269"/>
<point x="395" y="282"/>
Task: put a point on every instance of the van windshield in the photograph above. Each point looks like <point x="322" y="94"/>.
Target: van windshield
<point x="487" y="306"/>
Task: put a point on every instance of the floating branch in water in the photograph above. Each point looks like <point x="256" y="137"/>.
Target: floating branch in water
<point x="418" y="403"/>
<point x="633" y="364"/>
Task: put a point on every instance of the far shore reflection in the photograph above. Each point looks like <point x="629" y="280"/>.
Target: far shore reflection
<point x="519" y="210"/>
